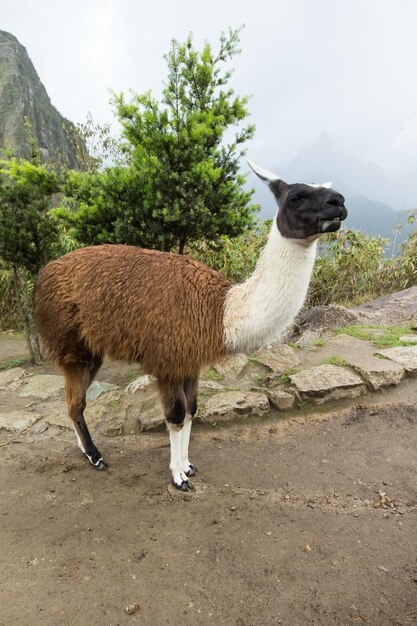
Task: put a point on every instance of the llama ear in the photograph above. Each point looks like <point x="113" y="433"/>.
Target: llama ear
<point x="325" y="185"/>
<point x="268" y="177"/>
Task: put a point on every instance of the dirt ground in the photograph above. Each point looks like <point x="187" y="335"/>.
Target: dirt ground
<point x="307" y="521"/>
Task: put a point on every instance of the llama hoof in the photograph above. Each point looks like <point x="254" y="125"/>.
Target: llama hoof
<point x="101" y="465"/>
<point x="184" y="486"/>
<point x="97" y="461"/>
<point x="190" y="484"/>
<point x="191" y="471"/>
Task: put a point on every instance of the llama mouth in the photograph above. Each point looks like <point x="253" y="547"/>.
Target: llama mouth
<point x="331" y="226"/>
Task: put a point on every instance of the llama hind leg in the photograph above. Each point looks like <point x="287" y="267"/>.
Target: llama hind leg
<point x="190" y="389"/>
<point x="77" y="380"/>
<point x="175" y="405"/>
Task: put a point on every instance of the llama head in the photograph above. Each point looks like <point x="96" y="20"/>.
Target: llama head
<point x="305" y="211"/>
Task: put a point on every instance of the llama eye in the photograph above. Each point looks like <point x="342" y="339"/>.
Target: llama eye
<point x="296" y="198"/>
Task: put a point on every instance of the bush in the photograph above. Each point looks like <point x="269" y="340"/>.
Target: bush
<point x="9" y="318"/>
<point x="350" y="268"/>
<point x="235" y="258"/>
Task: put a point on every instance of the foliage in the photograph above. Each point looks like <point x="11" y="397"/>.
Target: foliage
<point x="9" y="364"/>
<point x="182" y="181"/>
<point x="9" y="318"/>
<point x="235" y="258"/>
<point x="103" y="148"/>
<point x="351" y="267"/>
<point x="28" y="234"/>
<point x="27" y="228"/>
<point x="347" y="264"/>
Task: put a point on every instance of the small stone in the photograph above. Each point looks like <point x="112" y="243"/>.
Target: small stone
<point x="281" y="400"/>
<point x="268" y="534"/>
<point x="377" y="372"/>
<point x="210" y="385"/>
<point x="279" y="359"/>
<point x="143" y="382"/>
<point x="409" y="338"/>
<point x="231" y="404"/>
<point x="327" y="382"/>
<point x="232" y="366"/>
<point x="132" y="608"/>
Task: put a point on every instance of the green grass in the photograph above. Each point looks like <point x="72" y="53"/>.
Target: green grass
<point x="294" y="345"/>
<point x="319" y="343"/>
<point x="7" y="365"/>
<point x="334" y="360"/>
<point x="211" y="374"/>
<point x="12" y="335"/>
<point x="390" y="338"/>
<point x="284" y="379"/>
<point x="133" y="375"/>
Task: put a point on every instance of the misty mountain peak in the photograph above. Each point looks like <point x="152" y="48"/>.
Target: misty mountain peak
<point x="22" y="95"/>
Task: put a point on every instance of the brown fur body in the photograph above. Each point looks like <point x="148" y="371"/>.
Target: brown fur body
<point x="162" y="310"/>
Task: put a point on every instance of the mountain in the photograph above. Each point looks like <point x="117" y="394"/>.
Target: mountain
<point x="372" y="196"/>
<point x="23" y="95"/>
<point x="378" y="219"/>
<point x="321" y="161"/>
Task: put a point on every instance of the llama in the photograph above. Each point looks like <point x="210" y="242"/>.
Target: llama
<point x="174" y="315"/>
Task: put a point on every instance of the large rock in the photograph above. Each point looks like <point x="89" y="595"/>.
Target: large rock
<point x="142" y="382"/>
<point x="311" y="324"/>
<point x="327" y="382"/>
<point x="406" y="356"/>
<point x="17" y="421"/>
<point x="11" y="376"/>
<point x="97" y="411"/>
<point x="42" y="386"/>
<point x="397" y="309"/>
<point x="279" y="359"/>
<point x="146" y="413"/>
<point x="377" y="372"/>
<point x="149" y="411"/>
<point x="56" y="414"/>
<point x="231" y="404"/>
<point x="97" y="389"/>
<point x="232" y="366"/>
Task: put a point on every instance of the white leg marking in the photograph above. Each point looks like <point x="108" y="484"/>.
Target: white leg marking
<point x="175" y="465"/>
<point x="80" y="445"/>
<point x="185" y="441"/>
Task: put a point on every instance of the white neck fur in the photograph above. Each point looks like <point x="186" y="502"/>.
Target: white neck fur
<point x="260" y="310"/>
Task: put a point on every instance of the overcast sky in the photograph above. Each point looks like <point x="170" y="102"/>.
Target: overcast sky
<point x="345" y="66"/>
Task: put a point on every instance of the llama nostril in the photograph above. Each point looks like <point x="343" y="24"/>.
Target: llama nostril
<point x="336" y="199"/>
<point x="335" y="202"/>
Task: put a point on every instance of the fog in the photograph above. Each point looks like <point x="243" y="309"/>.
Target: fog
<point x="344" y="67"/>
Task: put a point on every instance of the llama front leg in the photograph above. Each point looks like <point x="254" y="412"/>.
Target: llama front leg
<point x="188" y="468"/>
<point x="174" y="400"/>
<point x="190" y="391"/>
<point x="179" y="477"/>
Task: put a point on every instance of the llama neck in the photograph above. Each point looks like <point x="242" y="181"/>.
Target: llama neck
<point x="261" y="309"/>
